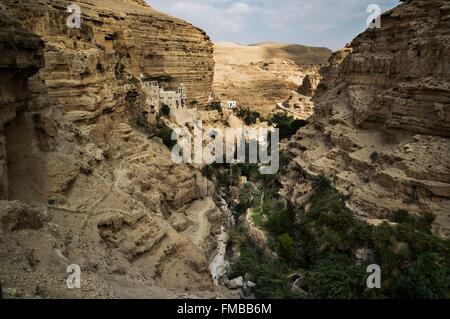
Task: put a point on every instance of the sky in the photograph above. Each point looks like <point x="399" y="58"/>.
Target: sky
<point x="323" y="23"/>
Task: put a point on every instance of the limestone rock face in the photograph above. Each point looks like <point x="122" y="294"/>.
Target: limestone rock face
<point x="381" y="125"/>
<point x="20" y="57"/>
<point x="97" y="68"/>
<point x="73" y="148"/>
<point x="403" y="70"/>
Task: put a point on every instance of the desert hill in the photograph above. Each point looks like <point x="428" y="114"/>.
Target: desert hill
<point x="261" y="75"/>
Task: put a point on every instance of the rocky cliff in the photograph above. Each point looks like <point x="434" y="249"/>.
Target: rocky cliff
<point x="85" y="184"/>
<point x="381" y="126"/>
<point x="90" y="70"/>
<point x="20" y="57"/>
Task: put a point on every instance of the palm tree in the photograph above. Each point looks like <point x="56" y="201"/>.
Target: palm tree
<point x="246" y="194"/>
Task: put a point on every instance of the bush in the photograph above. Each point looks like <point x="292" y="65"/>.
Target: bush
<point x="422" y="222"/>
<point x="248" y="261"/>
<point x="249" y="117"/>
<point x="335" y="216"/>
<point x="286" y="247"/>
<point x="402" y="216"/>
<point x="336" y="276"/>
<point x="207" y="171"/>
<point x="287" y="124"/>
<point x="215" y="106"/>
<point x="280" y="221"/>
<point x="133" y="80"/>
<point x="322" y="183"/>
<point x="426" y="280"/>
<point x="165" y="133"/>
<point x="374" y="157"/>
<point x="271" y="281"/>
<point x="165" y="110"/>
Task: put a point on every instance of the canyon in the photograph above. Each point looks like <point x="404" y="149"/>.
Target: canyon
<point x="84" y="184"/>
<point x="380" y="127"/>
<point x="87" y="178"/>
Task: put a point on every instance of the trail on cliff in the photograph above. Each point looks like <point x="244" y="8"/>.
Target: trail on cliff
<point x="198" y="212"/>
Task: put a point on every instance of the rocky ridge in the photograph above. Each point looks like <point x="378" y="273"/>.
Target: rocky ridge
<point x="381" y="125"/>
<point x="81" y="182"/>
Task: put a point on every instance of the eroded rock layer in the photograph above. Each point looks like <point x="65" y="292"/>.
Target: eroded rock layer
<point x="95" y="68"/>
<point x="20" y="57"/>
<point x="85" y="184"/>
<point x="382" y="122"/>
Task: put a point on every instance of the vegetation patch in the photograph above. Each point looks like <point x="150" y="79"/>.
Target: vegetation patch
<point x="249" y="117"/>
<point x="287" y="124"/>
<point x="330" y="245"/>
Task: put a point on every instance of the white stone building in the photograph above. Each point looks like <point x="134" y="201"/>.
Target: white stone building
<point x="157" y="97"/>
<point x="231" y="104"/>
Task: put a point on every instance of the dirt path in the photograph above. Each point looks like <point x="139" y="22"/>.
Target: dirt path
<point x="198" y="213"/>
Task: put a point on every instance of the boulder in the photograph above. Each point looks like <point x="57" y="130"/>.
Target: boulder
<point x="236" y="283"/>
<point x="15" y="215"/>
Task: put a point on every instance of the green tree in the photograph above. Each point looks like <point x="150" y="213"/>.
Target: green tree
<point x="247" y="194"/>
<point x="286" y="247"/>
<point x="165" y="110"/>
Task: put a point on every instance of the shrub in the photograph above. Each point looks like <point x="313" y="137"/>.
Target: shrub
<point x="335" y="216"/>
<point x="249" y="117"/>
<point x="336" y="276"/>
<point x="287" y="124"/>
<point x="165" y="133"/>
<point x="322" y="183"/>
<point x="133" y="80"/>
<point x="165" y="110"/>
<point x="374" y="157"/>
<point x="248" y="261"/>
<point x="422" y="222"/>
<point x="280" y="221"/>
<point x="215" y="106"/>
<point x="207" y="171"/>
<point x="286" y="247"/>
<point x="402" y="216"/>
<point x="425" y="220"/>
<point x="271" y="281"/>
<point x="426" y="280"/>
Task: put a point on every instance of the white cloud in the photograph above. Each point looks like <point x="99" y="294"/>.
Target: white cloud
<point x="239" y="8"/>
<point x="329" y="23"/>
<point x="192" y="6"/>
